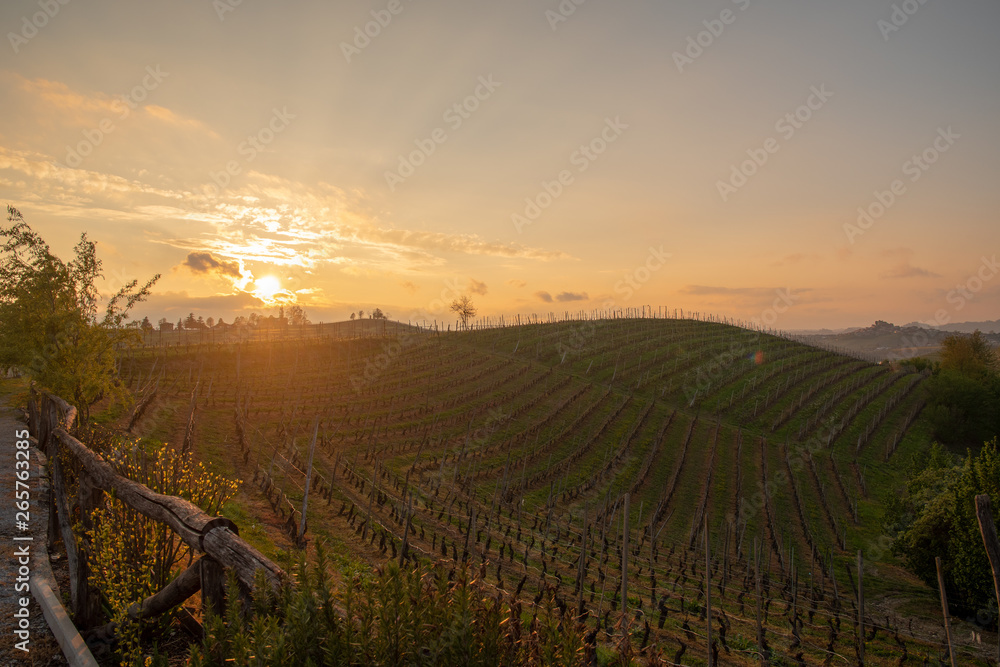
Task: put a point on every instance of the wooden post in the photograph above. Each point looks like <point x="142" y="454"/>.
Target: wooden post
<point x="988" y="530"/>
<point x="708" y="593"/>
<point x="760" y="628"/>
<point x="213" y="587"/>
<point x="625" y="563"/>
<point x="309" y="470"/>
<point x="944" y="609"/>
<point x="861" y="609"/>
<point x="406" y="532"/>
<point x="580" y="567"/>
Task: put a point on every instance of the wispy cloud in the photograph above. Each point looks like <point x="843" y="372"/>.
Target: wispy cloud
<point x="902" y="268"/>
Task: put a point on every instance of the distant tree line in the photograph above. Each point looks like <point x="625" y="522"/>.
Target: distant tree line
<point x="295" y="315"/>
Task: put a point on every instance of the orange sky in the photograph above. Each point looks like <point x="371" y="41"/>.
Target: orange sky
<point x="705" y="156"/>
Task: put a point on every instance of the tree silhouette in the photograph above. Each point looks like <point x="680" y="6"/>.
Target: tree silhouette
<point x="464" y="308"/>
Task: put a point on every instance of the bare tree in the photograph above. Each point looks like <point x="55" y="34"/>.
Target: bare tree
<point x="464" y="308"/>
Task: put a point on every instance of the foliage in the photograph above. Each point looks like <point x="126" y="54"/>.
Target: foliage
<point x="936" y="516"/>
<point x="464" y="308"/>
<point x="49" y="326"/>
<point x="964" y="391"/>
<point x="429" y="615"/>
<point x="296" y="315"/>
<point x="153" y="550"/>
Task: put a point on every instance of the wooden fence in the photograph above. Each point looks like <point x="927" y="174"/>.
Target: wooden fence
<point x="215" y="538"/>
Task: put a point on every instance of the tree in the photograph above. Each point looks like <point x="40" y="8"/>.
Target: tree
<point x="963" y="391"/>
<point x="146" y="325"/>
<point x="361" y="314"/>
<point x="190" y="322"/>
<point x="296" y="315"/>
<point x="936" y="516"/>
<point x="969" y="355"/>
<point x="352" y="316"/>
<point x="377" y="314"/>
<point x="200" y="323"/>
<point x="464" y="308"/>
<point x="49" y="324"/>
<point x="161" y="322"/>
<point x="240" y="321"/>
<point x="254" y="319"/>
<point x="210" y="322"/>
<point x="180" y="324"/>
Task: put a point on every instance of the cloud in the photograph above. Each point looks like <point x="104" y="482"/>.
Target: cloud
<point x="907" y="270"/>
<point x="796" y="258"/>
<point x="572" y="296"/>
<point x="903" y="268"/>
<point x="204" y="262"/>
<point x="544" y="296"/>
<point x="409" y="287"/>
<point x="477" y="287"/>
<point x="516" y="283"/>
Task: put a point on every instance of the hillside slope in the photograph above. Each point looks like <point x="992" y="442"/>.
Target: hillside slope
<point x="515" y="447"/>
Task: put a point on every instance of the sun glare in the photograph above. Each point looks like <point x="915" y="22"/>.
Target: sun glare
<point x="266" y="287"/>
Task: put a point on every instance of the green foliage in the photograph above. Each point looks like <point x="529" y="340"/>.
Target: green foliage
<point x="424" y="616"/>
<point x="49" y="325"/>
<point x="965" y="390"/>
<point x="152" y="550"/>
<point x="937" y="517"/>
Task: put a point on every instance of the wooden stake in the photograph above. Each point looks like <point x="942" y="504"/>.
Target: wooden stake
<point x="861" y="609"/>
<point x="309" y="471"/>
<point x="944" y="609"/>
<point x="760" y="628"/>
<point x="988" y="530"/>
<point x="708" y="594"/>
<point x="625" y="562"/>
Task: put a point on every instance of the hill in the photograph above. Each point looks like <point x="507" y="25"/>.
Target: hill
<point x="515" y="447"/>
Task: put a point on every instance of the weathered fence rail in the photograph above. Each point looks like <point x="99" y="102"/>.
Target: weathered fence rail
<point x="215" y="538"/>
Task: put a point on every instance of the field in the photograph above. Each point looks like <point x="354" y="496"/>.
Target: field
<point x="588" y="456"/>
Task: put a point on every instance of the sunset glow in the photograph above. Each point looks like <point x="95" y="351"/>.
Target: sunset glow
<point x="815" y="155"/>
<point x="266" y="289"/>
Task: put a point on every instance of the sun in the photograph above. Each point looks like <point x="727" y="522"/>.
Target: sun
<point x="266" y="287"/>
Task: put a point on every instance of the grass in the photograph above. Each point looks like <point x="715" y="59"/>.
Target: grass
<point x="426" y="399"/>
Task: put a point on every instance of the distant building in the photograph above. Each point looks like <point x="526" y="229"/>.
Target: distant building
<point x="166" y="326"/>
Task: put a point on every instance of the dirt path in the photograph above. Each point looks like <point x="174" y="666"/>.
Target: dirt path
<point x="41" y="646"/>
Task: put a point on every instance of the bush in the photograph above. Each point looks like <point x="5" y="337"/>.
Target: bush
<point x="151" y="549"/>
<point x="429" y="615"/>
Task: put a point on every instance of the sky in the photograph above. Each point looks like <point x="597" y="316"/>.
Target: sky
<point x="799" y="164"/>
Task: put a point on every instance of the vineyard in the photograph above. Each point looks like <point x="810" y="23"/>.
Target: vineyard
<point x="643" y="470"/>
